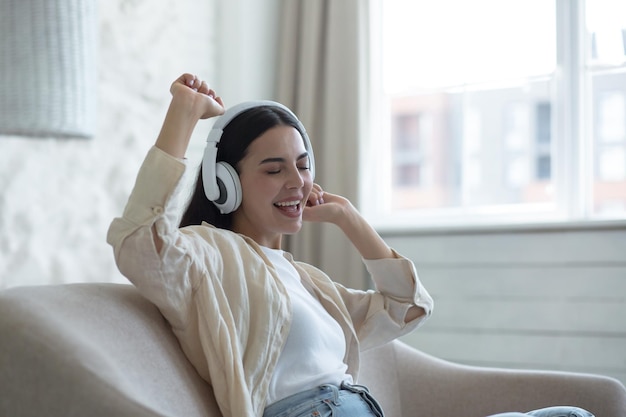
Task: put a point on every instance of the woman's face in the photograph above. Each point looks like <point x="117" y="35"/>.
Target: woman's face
<point x="276" y="182"/>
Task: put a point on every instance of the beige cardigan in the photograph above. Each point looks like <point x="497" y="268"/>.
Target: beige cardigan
<point x="224" y="301"/>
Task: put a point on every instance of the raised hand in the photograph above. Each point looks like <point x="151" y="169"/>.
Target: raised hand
<point x="192" y="100"/>
<point x="205" y="102"/>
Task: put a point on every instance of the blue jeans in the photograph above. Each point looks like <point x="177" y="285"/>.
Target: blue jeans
<point x="550" y="412"/>
<point x="356" y="401"/>
<point x="326" y="401"/>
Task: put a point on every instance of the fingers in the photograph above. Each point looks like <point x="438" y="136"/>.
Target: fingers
<point x="189" y="80"/>
<point x="316" y="197"/>
<point x="319" y="192"/>
<point x="188" y="85"/>
<point x="196" y="84"/>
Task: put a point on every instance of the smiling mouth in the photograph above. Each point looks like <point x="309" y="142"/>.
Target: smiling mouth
<point x="288" y="206"/>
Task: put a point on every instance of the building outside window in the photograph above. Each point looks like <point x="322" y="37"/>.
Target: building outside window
<point x="500" y="111"/>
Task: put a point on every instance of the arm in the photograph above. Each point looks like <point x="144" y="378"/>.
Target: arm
<point x="335" y="209"/>
<point x="192" y="100"/>
<point x="148" y="222"/>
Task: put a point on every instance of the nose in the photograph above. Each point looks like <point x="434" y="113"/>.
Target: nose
<point x="295" y="179"/>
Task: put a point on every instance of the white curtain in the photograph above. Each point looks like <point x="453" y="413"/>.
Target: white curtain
<point x="323" y="76"/>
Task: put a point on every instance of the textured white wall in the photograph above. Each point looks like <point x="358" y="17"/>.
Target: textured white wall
<point x="57" y="197"/>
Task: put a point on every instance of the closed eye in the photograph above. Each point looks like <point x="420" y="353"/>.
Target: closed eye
<point x="278" y="171"/>
<point x="273" y="171"/>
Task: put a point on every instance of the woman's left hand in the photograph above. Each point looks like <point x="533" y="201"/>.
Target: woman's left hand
<point x="325" y="207"/>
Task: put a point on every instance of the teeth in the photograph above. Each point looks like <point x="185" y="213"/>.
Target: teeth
<point x="288" y="203"/>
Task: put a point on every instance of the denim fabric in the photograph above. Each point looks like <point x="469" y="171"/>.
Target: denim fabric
<point x="550" y="412"/>
<point x="327" y="401"/>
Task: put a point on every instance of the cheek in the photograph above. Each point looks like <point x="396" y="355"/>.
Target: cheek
<point x="255" y="189"/>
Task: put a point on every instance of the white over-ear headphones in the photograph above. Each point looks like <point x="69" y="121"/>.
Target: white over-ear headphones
<point x="221" y="181"/>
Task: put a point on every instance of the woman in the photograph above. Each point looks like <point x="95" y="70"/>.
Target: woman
<point x="272" y="336"/>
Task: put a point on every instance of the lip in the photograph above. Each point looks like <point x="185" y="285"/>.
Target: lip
<point x="291" y="210"/>
<point x="290" y="199"/>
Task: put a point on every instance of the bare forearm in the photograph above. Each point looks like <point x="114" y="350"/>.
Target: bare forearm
<point x="331" y="208"/>
<point x="177" y="128"/>
<point x="363" y="236"/>
<point x="192" y="100"/>
<point x="371" y="246"/>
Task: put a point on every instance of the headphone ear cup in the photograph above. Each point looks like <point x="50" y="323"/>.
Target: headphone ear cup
<point x="230" y="188"/>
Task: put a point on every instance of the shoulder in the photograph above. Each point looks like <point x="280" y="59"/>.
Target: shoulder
<point x="225" y="243"/>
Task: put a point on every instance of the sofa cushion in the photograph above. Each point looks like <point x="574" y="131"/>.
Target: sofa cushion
<point x="379" y="372"/>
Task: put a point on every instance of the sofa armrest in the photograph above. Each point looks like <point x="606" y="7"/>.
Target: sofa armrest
<point x="444" y="389"/>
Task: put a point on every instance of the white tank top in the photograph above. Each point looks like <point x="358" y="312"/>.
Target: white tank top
<point x="314" y="351"/>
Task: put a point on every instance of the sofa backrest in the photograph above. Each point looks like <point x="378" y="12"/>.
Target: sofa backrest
<point x="66" y="349"/>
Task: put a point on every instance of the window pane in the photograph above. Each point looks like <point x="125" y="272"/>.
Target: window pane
<point x="430" y="44"/>
<point x="470" y="95"/>
<point x="606" y="25"/>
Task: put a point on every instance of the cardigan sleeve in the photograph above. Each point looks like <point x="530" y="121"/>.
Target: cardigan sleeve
<point x="397" y="289"/>
<point x="376" y="316"/>
<point x="166" y="277"/>
<point x="398" y="280"/>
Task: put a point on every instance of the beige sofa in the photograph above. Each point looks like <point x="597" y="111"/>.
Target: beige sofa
<point x="101" y="350"/>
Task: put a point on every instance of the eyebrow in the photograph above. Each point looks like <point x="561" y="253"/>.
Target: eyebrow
<point x="270" y="160"/>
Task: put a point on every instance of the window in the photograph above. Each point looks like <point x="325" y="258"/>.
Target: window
<point x="499" y="111"/>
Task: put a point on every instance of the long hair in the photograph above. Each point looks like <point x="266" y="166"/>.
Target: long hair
<point x="238" y="134"/>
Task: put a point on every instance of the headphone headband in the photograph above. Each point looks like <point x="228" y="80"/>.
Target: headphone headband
<point x="221" y="182"/>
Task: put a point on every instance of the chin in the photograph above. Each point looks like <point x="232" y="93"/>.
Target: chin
<point x="293" y="230"/>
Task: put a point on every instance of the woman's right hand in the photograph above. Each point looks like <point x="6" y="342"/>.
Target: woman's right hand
<point x="205" y="103"/>
<point x="192" y="100"/>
